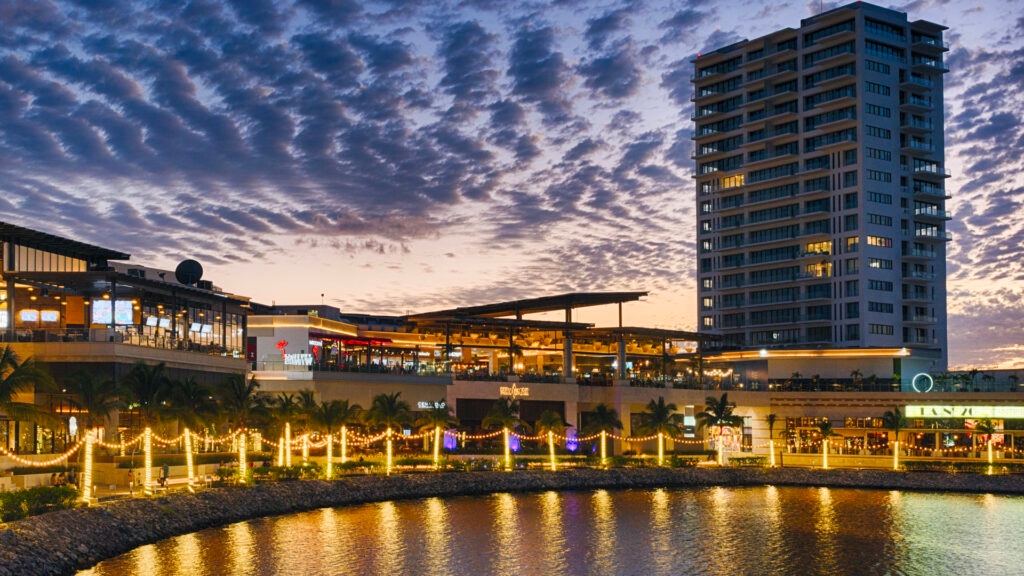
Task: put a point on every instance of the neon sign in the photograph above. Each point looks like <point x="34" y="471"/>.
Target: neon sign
<point x="960" y="411"/>
<point x="298" y="359"/>
<point x="513" y="391"/>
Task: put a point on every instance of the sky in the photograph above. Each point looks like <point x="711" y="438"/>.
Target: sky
<point x="389" y="157"/>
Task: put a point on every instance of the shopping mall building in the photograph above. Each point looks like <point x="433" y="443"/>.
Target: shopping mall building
<point x="73" y="306"/>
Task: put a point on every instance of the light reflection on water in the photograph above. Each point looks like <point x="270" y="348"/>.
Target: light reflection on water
<point x="765" y="530"/>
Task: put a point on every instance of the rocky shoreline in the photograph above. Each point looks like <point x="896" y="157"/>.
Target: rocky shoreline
<point x="64" y="542"/>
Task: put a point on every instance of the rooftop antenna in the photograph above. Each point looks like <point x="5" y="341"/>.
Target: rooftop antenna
<point x="321" y="298"/>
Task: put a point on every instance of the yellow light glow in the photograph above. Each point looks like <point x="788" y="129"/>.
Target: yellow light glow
<point x="288" y="444"/>
<point x="508" y="452"/>
<point x="330" y="456"/>
<point x="824" y="453"/>
<point x="661" y="449"/>
<point x="843" y="353"/>
<point x="771" y="452"/>
<point x="189" y="466"/>
<point x="147" y="447"/>
<point x="604" y="452"/>
<point x="242" y="465"/>
<point x="551" y="449"/>
<point x="87" y="476"/>
<point x="389" y="452"/>
<point x="896" y="455"/>
<point x="437" y="447"/>
<point x="344" y="444"/>
<point x="280" y="451"/>
<point x="305" y="448"/>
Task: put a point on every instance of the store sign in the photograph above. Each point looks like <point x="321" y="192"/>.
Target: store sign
<point x="955" y="411"/>
<point x="298" y="359"/>
<point x="316" y="342"/>
<point x="513" y="391"/>
<point x="430" y="405"/>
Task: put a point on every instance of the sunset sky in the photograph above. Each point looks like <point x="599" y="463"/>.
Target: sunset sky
<point x="410" y="156"/>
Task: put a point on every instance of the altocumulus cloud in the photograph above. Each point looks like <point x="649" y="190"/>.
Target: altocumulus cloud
<point x="550" y="137"/>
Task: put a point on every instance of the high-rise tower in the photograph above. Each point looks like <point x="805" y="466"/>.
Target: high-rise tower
<point x="821" y="214"/>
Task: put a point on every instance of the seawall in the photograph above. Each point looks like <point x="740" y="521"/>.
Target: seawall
<point x="64" y="542"/>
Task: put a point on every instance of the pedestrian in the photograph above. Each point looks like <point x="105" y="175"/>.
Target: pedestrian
<point x="164" y="473"/>
<point x="131" y="481"/>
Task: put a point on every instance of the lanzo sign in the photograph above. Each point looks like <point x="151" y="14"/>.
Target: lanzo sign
<point x="298" y="359"/>
<point x="959" y="411"/>
<point x="430" y="405"/>
<point x="513" y="391"/>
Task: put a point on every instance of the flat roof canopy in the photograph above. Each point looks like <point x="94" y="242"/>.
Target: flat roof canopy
<point x="56" y="244"/>
<point x="537" y="305"/>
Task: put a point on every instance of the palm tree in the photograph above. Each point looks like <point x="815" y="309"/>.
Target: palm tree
<point x="387" y="411"/>
<point x="438" y="416"/>
<point x="284" y="408"/>
<point x="986" y="427"/>
<point x="660" y="418"/>
<point x="307" y="407"/>
<point x="771" y="418"/>
<point x="328" y="416"/>
<point x="24" y="377"/>
<point x="894" y="420"/>
<point x="550" y="421"/>
<point x="147" y="386"/>
<point x="96" y="398"/>
<point x="550" y="424"/>
<point x="857" y="377"/>
<point x="504" y="413"/>
<point x="240" y="400"/>
<point x="825" y="428"/>
<point x="604" y="418"/>
<point x="191" y="403"/>
<point x="718" y="412"/>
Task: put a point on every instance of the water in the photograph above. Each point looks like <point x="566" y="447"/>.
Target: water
<point x="734" y="531"/>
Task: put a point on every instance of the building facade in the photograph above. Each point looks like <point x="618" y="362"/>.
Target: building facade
<point x="85" y="311"/>
<point x="821" y="199"/>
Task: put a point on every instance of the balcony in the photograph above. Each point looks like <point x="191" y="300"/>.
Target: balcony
<point x="915" y="103"/>
<point x="921" y="64"/>
<point x="918" y="275"/>
<point x="930" y="193"/>
<point x="917" y="148"/>
<point x="932" y="214"/>
<point x="916" y="83"/>
<point x="932" y="234"/>
<point x="927" y="44"/>
<point x="919" y="254"/>
<point x="931" y="171"/>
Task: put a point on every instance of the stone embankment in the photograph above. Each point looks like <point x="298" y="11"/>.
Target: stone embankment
<point x="67" y="541"/>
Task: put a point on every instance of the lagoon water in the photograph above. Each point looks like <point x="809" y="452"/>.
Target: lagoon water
<point x="729" y="531"/>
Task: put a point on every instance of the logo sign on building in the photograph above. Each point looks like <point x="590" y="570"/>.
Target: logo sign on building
<point x="958" y="411"/>
<point x="298" y="359"/>
<point x="430" y="405"/>
<point x="513" y="391"/>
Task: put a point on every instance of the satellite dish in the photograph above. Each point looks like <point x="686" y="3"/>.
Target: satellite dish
<point x="189" y="272"/>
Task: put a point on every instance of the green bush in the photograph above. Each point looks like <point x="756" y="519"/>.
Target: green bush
<point x="18" y="504"/>
<point x="748" y="461"/>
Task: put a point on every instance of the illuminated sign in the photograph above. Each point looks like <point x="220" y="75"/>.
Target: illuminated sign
<point x="102" y="311"/>
<point x="957" y="411"/>
<point x="513" y="391"/>
<point x="316" y="342"/>
<point x="430" y="405"/>
<point x="298" y="359"/>
<point x="922" y="380"/>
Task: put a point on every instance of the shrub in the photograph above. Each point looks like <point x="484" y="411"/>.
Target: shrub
<point x="18" y="504"/>
<point x="748" y="461"/>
